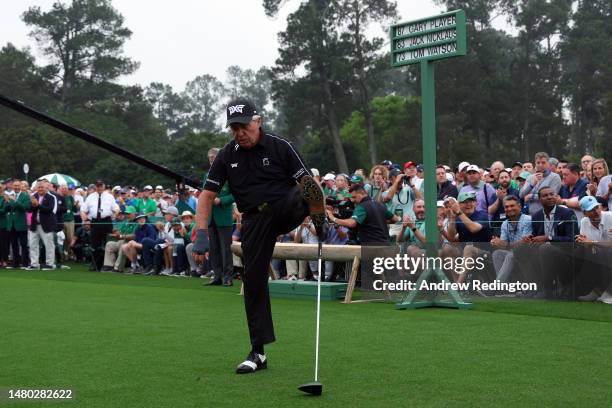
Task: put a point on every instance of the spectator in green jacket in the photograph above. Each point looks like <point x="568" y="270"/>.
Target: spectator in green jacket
<point x="16" y="208"/>
<point x="147" y="205"/>
<point x="220" y="224"/>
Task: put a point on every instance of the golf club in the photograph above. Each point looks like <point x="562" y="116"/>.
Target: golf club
<point x="315" y="387"/>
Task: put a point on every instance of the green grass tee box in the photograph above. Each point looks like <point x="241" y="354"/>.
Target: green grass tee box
<point x="139" y="341"/>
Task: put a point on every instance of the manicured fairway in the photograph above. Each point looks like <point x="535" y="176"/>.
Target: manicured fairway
<point x="135" y="341"/>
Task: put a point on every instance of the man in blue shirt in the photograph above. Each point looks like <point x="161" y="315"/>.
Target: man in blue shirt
<point x="131" y="249"/>
<point x="513" y="230"/>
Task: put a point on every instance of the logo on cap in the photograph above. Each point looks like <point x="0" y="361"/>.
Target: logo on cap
<point x="266" y="161"/>
<point x="234" y="109"/>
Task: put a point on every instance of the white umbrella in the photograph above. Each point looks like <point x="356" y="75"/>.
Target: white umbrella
<point x="58" y="179"/>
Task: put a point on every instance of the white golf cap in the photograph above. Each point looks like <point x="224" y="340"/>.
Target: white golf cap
<point x="315" y="172"/>
<point x="329" y="176"/>
<point x="116" y="188"/>
<point x="159" y="187"/>
<point x="472" y="167"/>
<point x="462" y="166"/>
<point x="147" y="187"/>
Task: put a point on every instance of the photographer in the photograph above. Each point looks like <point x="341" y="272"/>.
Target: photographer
<point x="400" y="197"/>
<point x="370" y="218"/>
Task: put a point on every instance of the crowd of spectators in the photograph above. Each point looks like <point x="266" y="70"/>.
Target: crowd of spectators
<point x="545" y="221"/>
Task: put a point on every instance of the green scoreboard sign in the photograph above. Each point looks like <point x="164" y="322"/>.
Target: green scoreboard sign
<point x="424" y="41"/>
<point x="428" y="39"/>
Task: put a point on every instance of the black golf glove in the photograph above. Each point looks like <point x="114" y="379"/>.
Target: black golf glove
<point x="201" y="245"/>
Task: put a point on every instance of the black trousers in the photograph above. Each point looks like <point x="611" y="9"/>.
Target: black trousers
<point x="221" y="251"/>
<point x="4" y="244"/>
<point x="99" y="230"/>
<point x="548" y="262"/>
<point x="258" y="234"/>
<point x="19" y="245"/>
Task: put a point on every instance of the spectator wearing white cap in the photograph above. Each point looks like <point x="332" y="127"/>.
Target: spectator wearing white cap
<point x="485" y="193"/>
<point x="596" y="238"/>
<point x="316" y="175"/>
<point x="460" y="175"/>
<point x="329" y="183"/>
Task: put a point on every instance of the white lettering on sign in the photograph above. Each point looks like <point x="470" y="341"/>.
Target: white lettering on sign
<point x="426" y="39"/>
<point x="439" y="22"/>
<point x="426" y="52"/>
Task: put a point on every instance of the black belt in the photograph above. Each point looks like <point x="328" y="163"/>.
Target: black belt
<point x="256" y="210"/>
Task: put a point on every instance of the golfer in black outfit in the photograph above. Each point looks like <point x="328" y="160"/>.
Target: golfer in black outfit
<point x="263" y="172"/>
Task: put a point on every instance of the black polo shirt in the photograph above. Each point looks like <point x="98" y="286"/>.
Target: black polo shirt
<point x="264" y="173"/>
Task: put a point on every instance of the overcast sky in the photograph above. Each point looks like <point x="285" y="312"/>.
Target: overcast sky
<point x="175" y="41"/>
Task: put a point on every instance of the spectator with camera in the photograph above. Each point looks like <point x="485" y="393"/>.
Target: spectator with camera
<point x="369" y="217"/>
<point x="410" y="171"/>
<point x="400" y="197"/>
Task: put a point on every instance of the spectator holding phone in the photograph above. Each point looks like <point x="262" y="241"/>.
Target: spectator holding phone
<point x="543" y="177"/>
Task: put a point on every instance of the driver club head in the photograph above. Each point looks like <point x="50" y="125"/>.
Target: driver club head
<point x="313" y="388"/>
